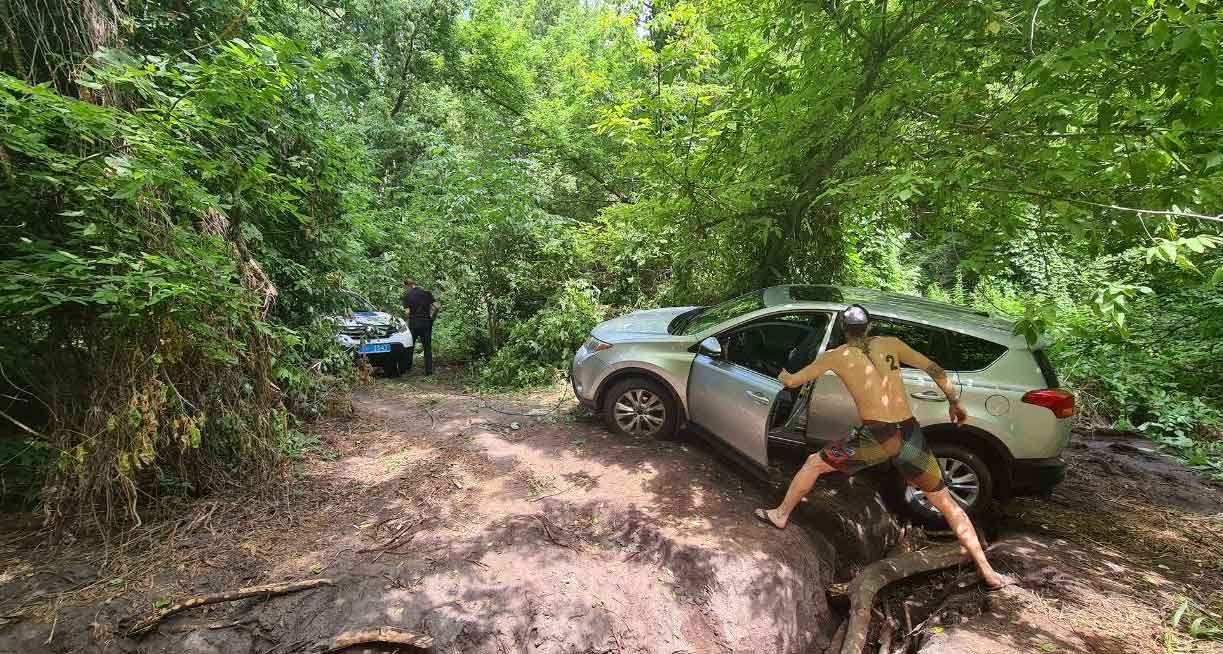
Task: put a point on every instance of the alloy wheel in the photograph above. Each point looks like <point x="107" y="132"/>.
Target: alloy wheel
<point x="961" y="480"/>
<point x="640" y="412"/>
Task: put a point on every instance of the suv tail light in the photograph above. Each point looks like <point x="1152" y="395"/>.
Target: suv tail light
<point x="1060" y="402"/>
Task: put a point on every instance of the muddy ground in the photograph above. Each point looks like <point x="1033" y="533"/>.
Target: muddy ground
<point x="519" y="524"/>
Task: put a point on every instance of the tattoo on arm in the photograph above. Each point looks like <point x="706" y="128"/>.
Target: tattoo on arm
<point x="939" y="376"/>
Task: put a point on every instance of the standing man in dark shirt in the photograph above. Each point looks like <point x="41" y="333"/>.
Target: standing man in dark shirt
<point x="421" y="309"/>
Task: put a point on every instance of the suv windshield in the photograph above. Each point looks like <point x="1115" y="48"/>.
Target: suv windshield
<point x="710" y="316"/>
<point x="356" y="302"/>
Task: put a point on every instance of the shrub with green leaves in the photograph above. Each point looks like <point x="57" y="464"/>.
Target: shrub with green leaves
<point x="140" y="334"/>
<point x="539" y="349"/>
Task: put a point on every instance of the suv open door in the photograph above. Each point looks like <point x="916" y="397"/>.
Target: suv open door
<point x="732" y="403"/>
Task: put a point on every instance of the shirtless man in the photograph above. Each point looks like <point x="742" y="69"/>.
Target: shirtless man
<point x="870" y="369"/>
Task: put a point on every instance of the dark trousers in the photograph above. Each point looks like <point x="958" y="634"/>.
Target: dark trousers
<point x="422" y="335"/>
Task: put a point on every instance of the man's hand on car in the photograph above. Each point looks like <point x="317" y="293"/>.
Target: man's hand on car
<point x="787" y="379"/>
<point x="958" y="415"/>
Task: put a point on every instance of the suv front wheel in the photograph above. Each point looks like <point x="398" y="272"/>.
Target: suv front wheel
<point x="967" y="476"/>
<point x="639" y="406"/>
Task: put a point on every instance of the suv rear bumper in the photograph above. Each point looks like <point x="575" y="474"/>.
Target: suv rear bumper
<point x="1034" y="476"/>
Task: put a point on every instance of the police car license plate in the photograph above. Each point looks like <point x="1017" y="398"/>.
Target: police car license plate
<point x="375" y="348"/>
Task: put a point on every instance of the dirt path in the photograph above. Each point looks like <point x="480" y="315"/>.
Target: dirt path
<point x="454" y="516"/>
<point x="445" y="514"/>
<point x="1105" y="562"/>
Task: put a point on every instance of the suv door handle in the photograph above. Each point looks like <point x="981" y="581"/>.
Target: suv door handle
<point x="929" y="396"/>
<point x="758" y="397"/>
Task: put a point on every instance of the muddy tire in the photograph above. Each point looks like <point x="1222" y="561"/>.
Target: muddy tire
<point x="967" y="475"/>
<point x="640" y="407"/>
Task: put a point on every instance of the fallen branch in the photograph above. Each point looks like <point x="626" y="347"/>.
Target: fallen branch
<point x="548" y="527"/>
<point x="394" y="540"/>
<point x="886" y="632"/>
<point x="20" y="424"/>
<point x="867" y="584"/>
<point x="381" y="636"/>
<point x="214" y="625"/>
<point x="266" y="590"/>
<point x="564" y="490"/>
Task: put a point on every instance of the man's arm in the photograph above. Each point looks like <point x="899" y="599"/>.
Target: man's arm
<point x="823" y="363"/>
<point x="911" y="357"/>
<point x="434" y="308"/>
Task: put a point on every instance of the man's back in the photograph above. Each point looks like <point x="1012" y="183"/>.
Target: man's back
<point x="872" y="377"/>
<point x="870" y="370"/>
<point x="419" y="303"/>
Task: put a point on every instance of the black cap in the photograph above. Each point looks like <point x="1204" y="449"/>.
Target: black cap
<point x="855" y="315"/>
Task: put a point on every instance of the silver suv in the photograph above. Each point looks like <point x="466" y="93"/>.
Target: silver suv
<point x="715" y="369"/>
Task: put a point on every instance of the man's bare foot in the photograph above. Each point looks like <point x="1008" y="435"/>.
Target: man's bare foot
<point x="996" y="581"/>
<point x="770" y="518"/>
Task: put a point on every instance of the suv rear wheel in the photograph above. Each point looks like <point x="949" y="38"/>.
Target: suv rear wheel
<point x="639" y="406"/>
<point x="967" y="476"/>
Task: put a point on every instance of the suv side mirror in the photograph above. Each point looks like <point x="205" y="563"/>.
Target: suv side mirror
<point x="711" y="348"/>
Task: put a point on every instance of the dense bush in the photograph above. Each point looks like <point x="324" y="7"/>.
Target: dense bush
<point x="539" y="349"/>
<point x="140" y="337"/>
<point x="1163" y="378"/>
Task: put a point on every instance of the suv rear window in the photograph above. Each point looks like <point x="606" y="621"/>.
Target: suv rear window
<point x="971" y="353"/>
<point x="930" y="341"/>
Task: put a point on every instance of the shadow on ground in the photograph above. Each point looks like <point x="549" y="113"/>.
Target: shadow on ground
<point x="518" y="524"/>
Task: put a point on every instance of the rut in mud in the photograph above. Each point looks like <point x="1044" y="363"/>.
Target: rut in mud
<point x="452" y="515"/>
<point x="519" y="524"/>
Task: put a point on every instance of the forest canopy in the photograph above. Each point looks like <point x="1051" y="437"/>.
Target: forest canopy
<point x="188" y="188"/>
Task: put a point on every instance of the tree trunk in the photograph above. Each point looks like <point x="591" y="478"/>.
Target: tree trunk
<point x="404" y="82"/>
<point x="821" y="160"/>
<point x="773" y="265"/>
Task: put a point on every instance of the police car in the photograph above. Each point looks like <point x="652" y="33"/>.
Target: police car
<point x="380" y="337"/>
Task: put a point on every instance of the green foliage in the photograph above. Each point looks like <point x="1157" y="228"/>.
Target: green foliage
<point x="1161" y="378"/>
<point x="296" y="445"/>
<point x="539" y="349"/>
<point x="138" y="331"/>
<point x="1196" y="623"/>
<point x="182" y="211"/>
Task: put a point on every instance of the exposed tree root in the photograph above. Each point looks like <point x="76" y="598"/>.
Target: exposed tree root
<point x="866" y="585"/>
<point x="266" y="590"/>
<point x="379" y="635"/>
